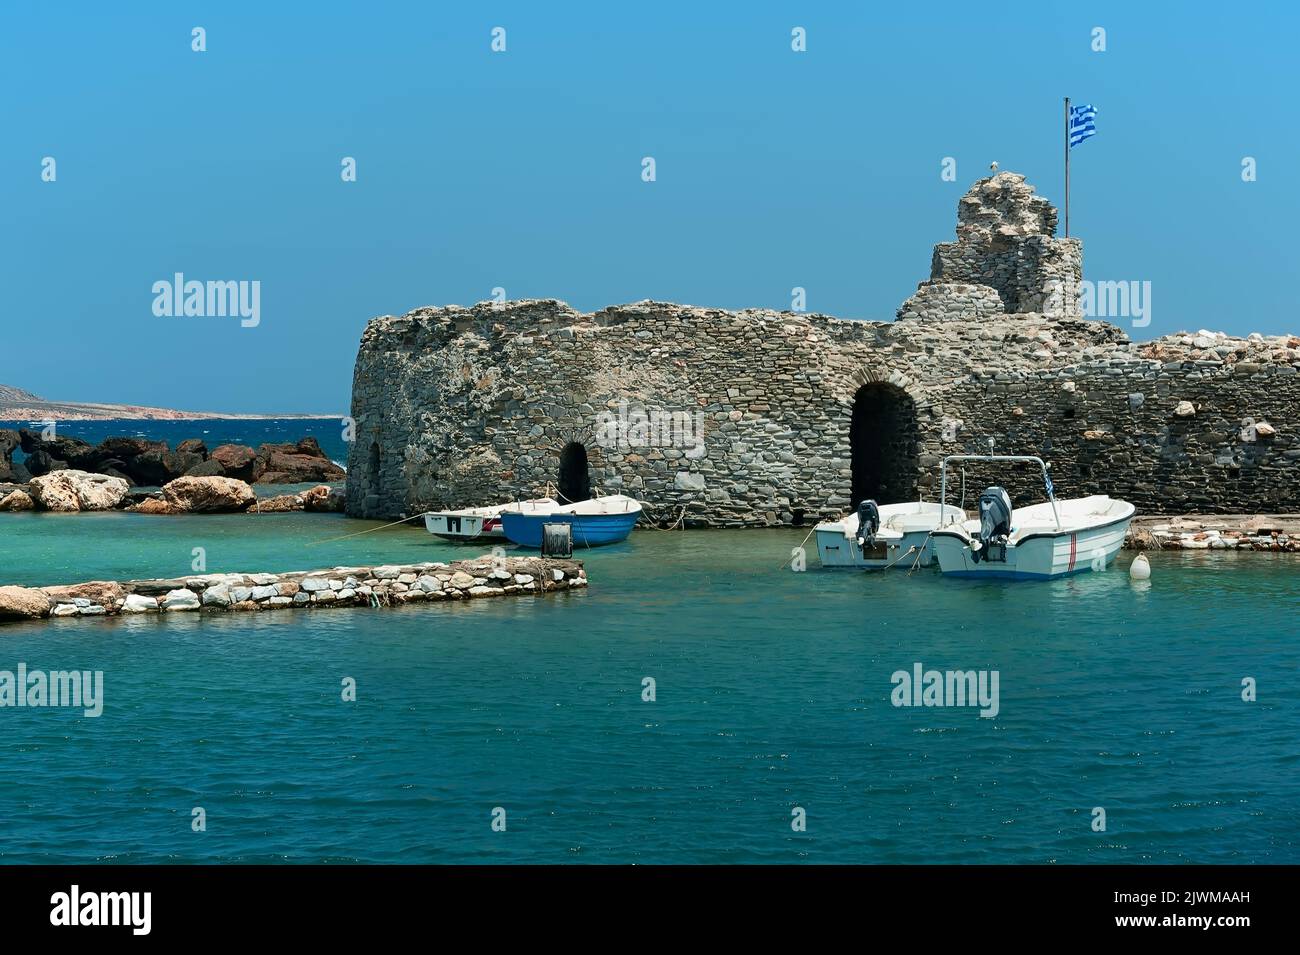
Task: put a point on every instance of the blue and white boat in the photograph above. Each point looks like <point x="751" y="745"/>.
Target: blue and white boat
<point x="600" y="520"/>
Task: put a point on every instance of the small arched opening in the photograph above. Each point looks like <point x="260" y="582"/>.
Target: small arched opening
<point x="575" y="474"/>
<point x="883" y="445"/>
<point x="372" y="468"/>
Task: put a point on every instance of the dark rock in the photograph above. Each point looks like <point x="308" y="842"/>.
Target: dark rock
<point x="42" y="462"/>
<point x="208" y="468"/>
<point x="74" y="452"/>
<point x="237" y="460"/>
<point x="299" y="468"/>
<point x="9" y="441"/>
<point x="150" y="468"/>
<point x="186" y="461"/>
<point x="156" y="468"/>
<point x="193" y="446"/>
<point x="80" y="455"/>
<point x="29" y="441"/>
<point x="127" y="448"/>
<point x="295" y="463"/>
<point x="307" y="446"/>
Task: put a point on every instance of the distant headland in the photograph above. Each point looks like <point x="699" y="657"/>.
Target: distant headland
<point x="19" y="405"/>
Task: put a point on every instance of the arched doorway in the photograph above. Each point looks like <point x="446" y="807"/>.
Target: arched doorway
<point x="882" y="441"/>
<point x="575" y="474"/>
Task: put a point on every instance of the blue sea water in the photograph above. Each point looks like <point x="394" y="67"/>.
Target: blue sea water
<point x="772" y="692"/>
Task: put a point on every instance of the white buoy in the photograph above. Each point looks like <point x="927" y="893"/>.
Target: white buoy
<point x="1140" y="569"/>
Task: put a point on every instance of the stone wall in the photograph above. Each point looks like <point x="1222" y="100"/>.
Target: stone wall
<point x="375" y="587"/>
<point x="460" y="406"/>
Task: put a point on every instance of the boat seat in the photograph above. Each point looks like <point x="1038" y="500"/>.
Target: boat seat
<point x="907" y="523"/>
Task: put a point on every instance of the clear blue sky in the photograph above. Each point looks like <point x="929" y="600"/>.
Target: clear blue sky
<point x="522" y="170"/>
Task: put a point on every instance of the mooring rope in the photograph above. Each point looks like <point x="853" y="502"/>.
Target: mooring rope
<point x="919" y="551"/>
<point x="675" y="525"/>
<point x="900" y="557"/>
<point x="785" y="563"/>
<point x="369" y="530"/>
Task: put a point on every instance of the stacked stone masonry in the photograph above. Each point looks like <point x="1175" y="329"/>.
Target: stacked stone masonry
<point x="802" y="413"/>
<point x="380" y="586"/>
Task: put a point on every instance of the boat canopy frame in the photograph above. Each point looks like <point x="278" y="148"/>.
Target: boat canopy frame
<point x="1010" y="458"/>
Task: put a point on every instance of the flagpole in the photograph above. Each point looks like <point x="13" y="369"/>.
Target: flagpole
<point x="1067" y="167"/>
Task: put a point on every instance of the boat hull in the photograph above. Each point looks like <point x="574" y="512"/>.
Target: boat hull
<point x="903" y="539"/>
<point x="1042" y="556"/>
<point x="464" y="527"/>
<point x="589" y="530"/>
<point x="836" y="550"/>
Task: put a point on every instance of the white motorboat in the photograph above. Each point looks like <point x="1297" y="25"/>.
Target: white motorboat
<point x="1038" y="542"/>
<point x="897" y="535"/>
<point x="478" y="523"/>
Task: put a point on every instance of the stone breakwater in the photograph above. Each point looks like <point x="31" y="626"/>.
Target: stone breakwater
<point x="1270" y="533"/>
<point x="381" y="586"/>
<point x="804" y="415"/>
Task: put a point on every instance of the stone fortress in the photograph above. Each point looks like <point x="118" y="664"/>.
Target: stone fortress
<point x="759" y="418"/>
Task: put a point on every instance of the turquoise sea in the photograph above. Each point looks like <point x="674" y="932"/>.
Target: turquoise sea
<point x="772" y="692"/>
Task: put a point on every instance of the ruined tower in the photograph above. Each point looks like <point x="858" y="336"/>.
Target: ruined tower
<point x="1006" y="260"/>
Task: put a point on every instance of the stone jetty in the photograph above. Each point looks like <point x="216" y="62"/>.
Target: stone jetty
<point x="376" y="586"/>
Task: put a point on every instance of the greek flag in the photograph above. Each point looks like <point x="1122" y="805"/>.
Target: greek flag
<point x="1082" y="123"/>
<point x="1047" y="479"/>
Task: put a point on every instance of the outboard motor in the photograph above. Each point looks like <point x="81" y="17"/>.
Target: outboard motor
<point x="995" y="526"/>
<point x="868" y="523"/>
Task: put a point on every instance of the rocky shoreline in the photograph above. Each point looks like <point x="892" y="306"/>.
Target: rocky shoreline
<point x="144" y="463"/>
<point x="69" y="491"/>
<point x="382" y="586"/>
